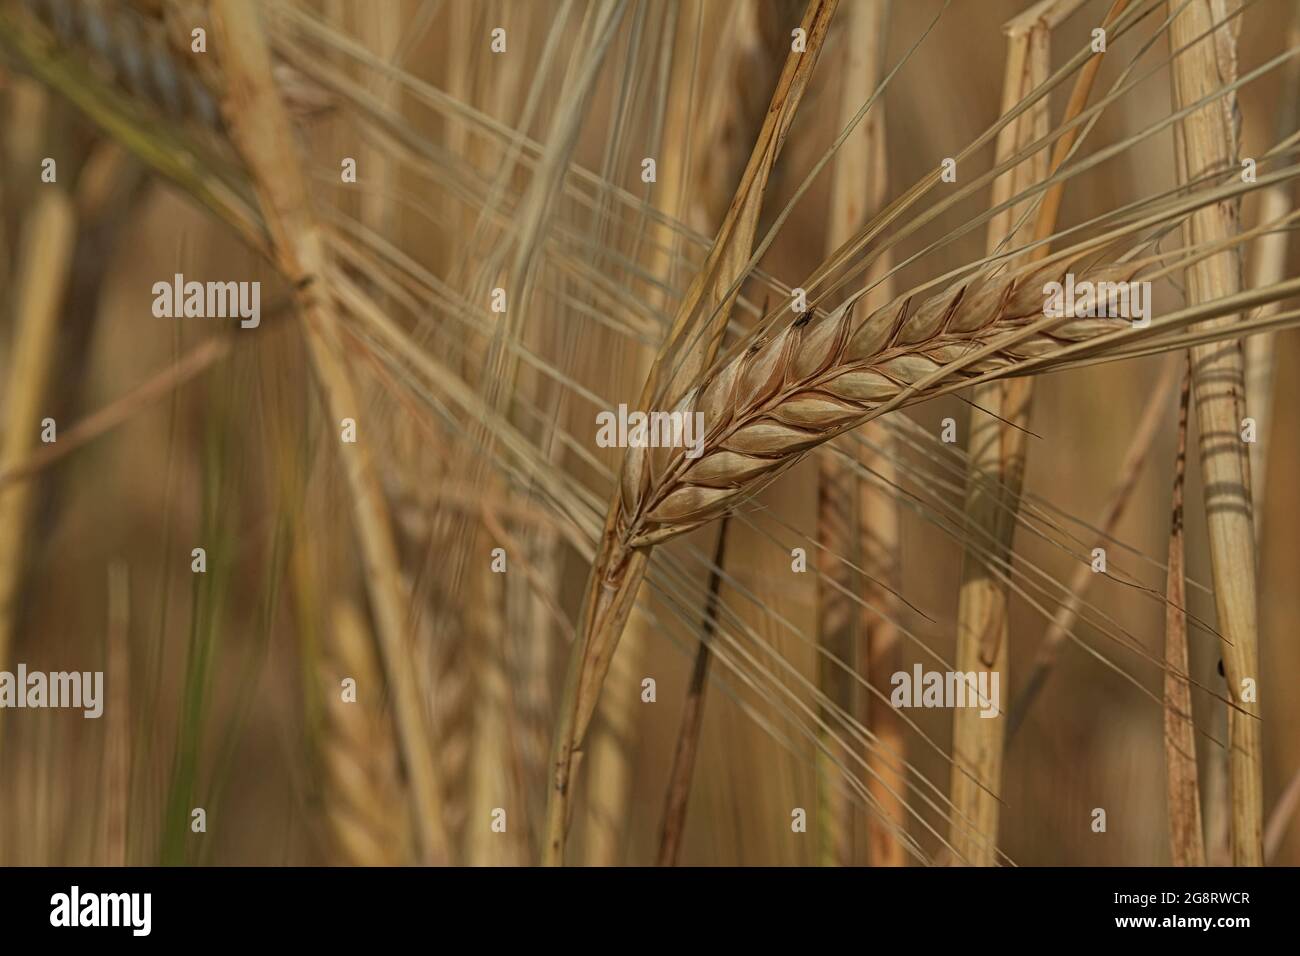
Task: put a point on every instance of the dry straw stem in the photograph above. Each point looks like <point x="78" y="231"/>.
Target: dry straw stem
<point x="493" y="768"/>
<point x="262" y="132"/>
<point x="690" y="346"/>
<point x="1209" y="146"/>
<point x="610" y="750"/>
<point x="613" y="748"/>
<point x="1186" y="843"/>
<point x="997" y="443"/>
<point x="856" y="518"/>
<point x="1268" y="265"/>
<point x="755" y="39"/>
<point x="364" y="806"/>
<point x="47" y="242"/>
<point x="995" y="468"/>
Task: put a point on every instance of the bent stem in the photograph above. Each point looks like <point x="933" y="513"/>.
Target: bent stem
<point x="607" y="604"/>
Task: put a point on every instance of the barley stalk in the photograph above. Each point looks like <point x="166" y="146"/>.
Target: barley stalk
<point x="995" y="469"/>
<point x="261" y="131"/>
<point x="692" y="342"/>
<point x="611" y="738"/>
<point x="493" y="767"/>
<point x="756" y="50"/>
<point x="614" y="737"/>
<point x="1269" y="263"/>
<point x="1209" y="143"/>
<point x="855" y="518"/>
<point x="613" y="748"/>
<point x="997" y="457"/>
<point x="1186" y="844"/>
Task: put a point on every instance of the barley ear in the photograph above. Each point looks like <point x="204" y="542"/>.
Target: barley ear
<point x="691" y="345"/>
<point x="364" y="805"/>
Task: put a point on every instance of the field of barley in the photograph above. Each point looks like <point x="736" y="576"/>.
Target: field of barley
<point x="649" y="432"/>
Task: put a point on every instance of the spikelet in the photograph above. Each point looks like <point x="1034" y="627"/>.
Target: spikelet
<point x="365" y="804"/>
<point x="423" y="532"/>
<point x="767" y="407"/>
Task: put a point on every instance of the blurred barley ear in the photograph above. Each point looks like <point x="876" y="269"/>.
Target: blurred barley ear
<point x="261" y="130"/>
<point x="365" y="807"/>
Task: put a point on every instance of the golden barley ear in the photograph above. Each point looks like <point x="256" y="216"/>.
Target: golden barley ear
<point x="365" y="804"/>
<point x="768" y="406"/>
